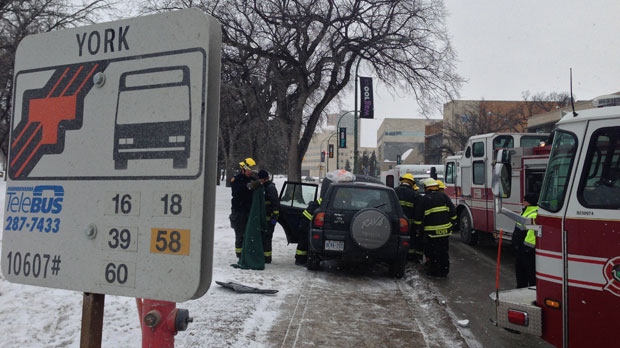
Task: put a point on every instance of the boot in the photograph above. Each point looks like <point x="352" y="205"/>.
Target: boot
<point x="301" y="260"/>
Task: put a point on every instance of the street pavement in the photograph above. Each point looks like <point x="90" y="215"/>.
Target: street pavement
<point x="338" y="308"/>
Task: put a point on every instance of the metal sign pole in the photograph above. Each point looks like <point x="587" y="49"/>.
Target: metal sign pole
<point x="92" y="320"/>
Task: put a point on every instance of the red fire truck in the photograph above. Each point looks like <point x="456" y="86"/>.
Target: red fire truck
<point x="468" y="177"/>
<point x="576" y="300"/>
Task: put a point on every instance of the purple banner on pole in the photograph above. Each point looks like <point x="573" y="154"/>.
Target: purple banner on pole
<point x="366" y="101"/>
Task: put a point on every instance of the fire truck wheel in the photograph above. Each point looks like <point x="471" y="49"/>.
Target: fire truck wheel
<point x="467" y="233"/>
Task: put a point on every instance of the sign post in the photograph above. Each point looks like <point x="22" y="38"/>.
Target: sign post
<point x="113" y="157"/>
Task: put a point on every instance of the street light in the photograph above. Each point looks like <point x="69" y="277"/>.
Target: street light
<point x="338" y="130"/>
<point x="355" y="146"/>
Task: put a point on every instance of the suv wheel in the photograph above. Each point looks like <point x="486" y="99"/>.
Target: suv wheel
<point x="313" y="263"/>
<point x="370" y="228"/>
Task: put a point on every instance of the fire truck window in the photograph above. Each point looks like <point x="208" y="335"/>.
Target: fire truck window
<point x="479" y="173"/>
<point x="533" y="180"/>
<point x="559" y="167"/>
<point x="468" y="152"/>
<point x="478" y="148"/>
<point x="503" y="141"/>
<point x="506" y="177"/>
<point x="450" y="173"/>
<point x="599" y="186"/>
<point x="532" y="141"/>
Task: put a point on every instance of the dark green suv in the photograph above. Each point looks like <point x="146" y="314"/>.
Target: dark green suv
<point x="356" y="221"/>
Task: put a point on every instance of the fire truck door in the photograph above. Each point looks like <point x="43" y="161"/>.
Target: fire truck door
<point x="591" y="239"/>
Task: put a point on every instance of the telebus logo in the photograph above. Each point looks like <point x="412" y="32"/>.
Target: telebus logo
<point x="45" y="199"/>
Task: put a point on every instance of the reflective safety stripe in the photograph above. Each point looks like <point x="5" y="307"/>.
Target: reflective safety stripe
<point x="307" y="215"/>
<point x="301" y="252"/>
<point x="268" y="253"/>
<point x="436" y="231"/>
<point x="238" y="250"/>
<point x="436" y="210"/>
<point x="448" y="234"/>
<point x="406" y="204"/>
<point x="438" y="227"/>
<point x="415" y="222"/>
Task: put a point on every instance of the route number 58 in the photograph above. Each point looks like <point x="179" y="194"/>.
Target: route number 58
<point x="170" y="241"/>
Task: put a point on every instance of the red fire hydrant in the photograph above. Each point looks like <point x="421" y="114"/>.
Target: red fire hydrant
<point x="160" y="321"/>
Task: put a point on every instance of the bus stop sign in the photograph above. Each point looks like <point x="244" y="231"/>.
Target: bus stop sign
<point x="112" y="158"/>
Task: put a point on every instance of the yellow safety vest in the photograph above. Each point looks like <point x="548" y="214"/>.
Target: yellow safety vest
<point x="530" y="212"/>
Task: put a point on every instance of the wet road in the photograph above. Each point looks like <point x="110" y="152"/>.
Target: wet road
<point x="342" y="306"/>
<point x="471" y="280"/>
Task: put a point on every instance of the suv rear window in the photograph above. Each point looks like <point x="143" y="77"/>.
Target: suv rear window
<point x="356" y="198"/>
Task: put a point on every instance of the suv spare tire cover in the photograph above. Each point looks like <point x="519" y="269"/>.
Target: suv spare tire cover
<point x="370" y="228"/>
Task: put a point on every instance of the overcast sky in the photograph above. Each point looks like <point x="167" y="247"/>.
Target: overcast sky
<point x="507" y="47"/>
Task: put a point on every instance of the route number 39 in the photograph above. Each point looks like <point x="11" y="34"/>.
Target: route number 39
<point x="170" y="241"/>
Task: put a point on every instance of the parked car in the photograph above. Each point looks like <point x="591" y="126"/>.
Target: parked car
<point x="357" y="221"/>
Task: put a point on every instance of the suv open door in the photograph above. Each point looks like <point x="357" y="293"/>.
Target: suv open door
<point x="294" y="199"/>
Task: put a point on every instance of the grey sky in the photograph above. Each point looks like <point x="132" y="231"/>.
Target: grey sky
<point x="507" y="47"/>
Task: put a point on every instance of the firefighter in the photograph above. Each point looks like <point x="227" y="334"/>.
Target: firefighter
<point x="434" y="217"/>
<point x="408" y="197"/>
<point x="524" y="244"/>
<point x="272" y="207"/>
<point x="301" y="253"/>
<point x="241" y="203"/>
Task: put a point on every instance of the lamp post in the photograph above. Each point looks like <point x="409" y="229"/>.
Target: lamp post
<point x="355" y="150"/>
<point x="338" y="130"/>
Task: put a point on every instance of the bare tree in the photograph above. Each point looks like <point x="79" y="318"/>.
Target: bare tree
<point x="19" y="18"/>
<point x="309" y="49"/>
<point x="541" y="102"/>
<point x="497" y="116"/>
<point x="480" y="118"/>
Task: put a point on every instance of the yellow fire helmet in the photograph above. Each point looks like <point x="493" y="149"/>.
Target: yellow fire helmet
<point x="407" y="176"/>
<point x="430" y="183"/>
<point x="247" y="163"/>
<point x="441" y="184"/>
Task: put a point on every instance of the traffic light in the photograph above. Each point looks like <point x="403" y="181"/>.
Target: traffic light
<point x="331" y="150"/>
<point x="397" y="159"/>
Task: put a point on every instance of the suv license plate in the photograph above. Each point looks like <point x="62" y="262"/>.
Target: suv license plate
<point x="334" y="245"/>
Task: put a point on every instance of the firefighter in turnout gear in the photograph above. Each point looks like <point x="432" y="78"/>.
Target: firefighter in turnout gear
<point x="408" y="198"/>
<point x="524" y="244"/>
<point x="301" y="254"/>
<point x="272" y="207"/>
<point x="241" y="203"/>
<point x="434" y="218"/>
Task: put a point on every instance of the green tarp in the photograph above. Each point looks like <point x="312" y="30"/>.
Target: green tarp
<point x="252" y="256"/>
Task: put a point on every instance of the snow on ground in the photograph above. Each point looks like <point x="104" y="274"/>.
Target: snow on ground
<point x="42" y="317"/>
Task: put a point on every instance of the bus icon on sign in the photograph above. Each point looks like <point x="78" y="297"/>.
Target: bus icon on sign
<point x="153" y="116"/>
